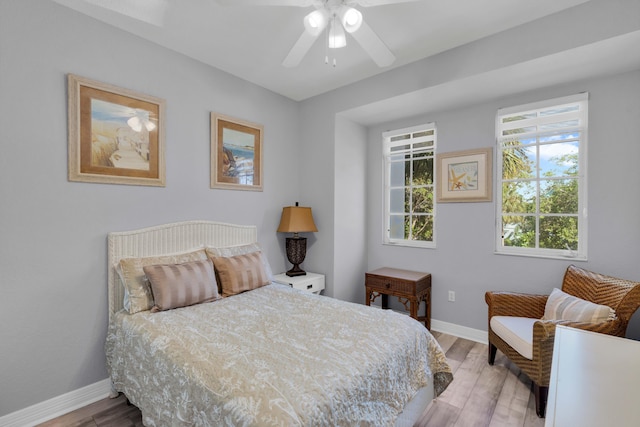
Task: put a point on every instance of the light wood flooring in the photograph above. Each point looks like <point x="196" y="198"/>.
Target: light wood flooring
<point x="480" y="395"/>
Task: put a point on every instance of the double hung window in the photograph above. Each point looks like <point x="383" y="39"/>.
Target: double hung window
<point x="409" y="202"/>
<point x="541" y="172"/>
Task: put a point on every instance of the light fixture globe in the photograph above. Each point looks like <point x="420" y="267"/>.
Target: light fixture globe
<point x="315" y="22"/>
<point x="351" y="19"/>
<point x="337" y="37"/>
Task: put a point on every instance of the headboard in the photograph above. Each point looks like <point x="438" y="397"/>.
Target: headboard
<point x="165" y="240"/>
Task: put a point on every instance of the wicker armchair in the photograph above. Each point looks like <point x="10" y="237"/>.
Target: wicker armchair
<point x="621" y="295"/>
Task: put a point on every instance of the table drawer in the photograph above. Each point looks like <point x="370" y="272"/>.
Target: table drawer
<point x="377" y="283"/>
<point x="312" y="285"/>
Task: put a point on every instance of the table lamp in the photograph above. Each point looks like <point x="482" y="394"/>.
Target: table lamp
<point x="296" y="219"/>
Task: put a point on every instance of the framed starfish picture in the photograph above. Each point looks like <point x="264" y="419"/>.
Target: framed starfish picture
<point x="464" y="176"/>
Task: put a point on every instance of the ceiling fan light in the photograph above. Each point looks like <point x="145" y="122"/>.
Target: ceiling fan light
<point x="337" y="38"/>
<point x="149" y="125"/>
<point x="315" y="22"/>
<point x="351" y="19"/>
<point x="135" y="123"/>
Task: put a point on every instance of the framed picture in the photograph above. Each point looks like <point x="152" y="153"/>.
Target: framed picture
<point x="464" y="176"/>
<point x="116" y="136"/>
<point x="236" y="154"/>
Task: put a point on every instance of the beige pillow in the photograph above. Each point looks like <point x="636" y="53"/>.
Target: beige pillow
<point x="562" y="306"/>
<point x="240" y="273"/>
<point x="135" y="282"/>
<point x="229" y="251"/>
<point x="180" y="285"/>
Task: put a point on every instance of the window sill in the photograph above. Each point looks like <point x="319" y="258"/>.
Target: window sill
<point x="430" y="245"/>
<point x="537" y="255"/>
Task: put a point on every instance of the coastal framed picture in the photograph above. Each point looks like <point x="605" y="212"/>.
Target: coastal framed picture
<point x="236" y="154"/>
<point x="116" y="135"/>
<point x="464" y="176"/>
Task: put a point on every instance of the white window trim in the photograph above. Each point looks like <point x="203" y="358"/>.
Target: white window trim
<point x="581" y="253"/>
<point x="386" y="240"/>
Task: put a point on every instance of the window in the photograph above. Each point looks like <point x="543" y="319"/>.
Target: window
<point x="409" y="202"/>
<point x="541" y="170"/>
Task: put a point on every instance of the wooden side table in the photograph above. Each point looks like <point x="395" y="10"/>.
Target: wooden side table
<point x="411" y="288"/>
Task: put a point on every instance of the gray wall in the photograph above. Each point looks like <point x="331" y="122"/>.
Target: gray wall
<point x="464" y="260"/>
<point x="469" y="83"/>
<point x="53" y="232"/>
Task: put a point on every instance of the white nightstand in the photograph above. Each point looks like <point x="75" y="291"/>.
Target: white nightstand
<point x="311" y="282"/>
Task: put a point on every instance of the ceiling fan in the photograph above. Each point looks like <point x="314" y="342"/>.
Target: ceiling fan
<point x="338" y="16"/>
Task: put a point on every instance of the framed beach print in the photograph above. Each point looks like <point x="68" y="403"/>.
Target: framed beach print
<point x="236" y="154"/>
<point x="116" y="136"/>
<point x="464" y="176"/>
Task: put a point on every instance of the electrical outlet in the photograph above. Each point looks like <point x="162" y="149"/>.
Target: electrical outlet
<point x="452" y="296"/>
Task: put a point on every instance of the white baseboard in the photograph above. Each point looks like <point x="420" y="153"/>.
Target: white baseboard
<point x="476" y="335"/>
<point x="73" y="400"/>
<point x="465" y="332"/>
<point x="57" y="406"/>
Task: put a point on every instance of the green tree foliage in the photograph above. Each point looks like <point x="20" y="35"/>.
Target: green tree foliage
<point x="561" y="197"/>
<point x="418" y="224"/>
<point x="558" y="198"/>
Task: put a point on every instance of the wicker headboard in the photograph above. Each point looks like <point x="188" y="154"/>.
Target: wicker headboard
<point x="168" y="239"/>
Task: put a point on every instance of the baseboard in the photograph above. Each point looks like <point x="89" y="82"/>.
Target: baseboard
<point x="57" y="406"/>
<point x="465" y="332"/>
<point x="472" y="334"/>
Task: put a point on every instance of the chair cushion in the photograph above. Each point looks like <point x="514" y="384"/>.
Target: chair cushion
<point x="515" y="331"/>
<point x="562" y="306"/>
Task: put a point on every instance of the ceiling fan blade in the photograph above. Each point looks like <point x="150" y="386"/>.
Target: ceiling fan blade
<point x="300" y="49"/>
<point x="297" y="3"/>
<point x="372" y="44"/>
<point x="367" y="3"/>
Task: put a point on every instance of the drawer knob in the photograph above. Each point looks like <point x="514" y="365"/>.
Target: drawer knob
<point x="388" y="285"/>
<point x="309" y="286"/>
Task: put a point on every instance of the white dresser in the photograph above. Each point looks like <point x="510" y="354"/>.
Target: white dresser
<point x="594" y="380"/>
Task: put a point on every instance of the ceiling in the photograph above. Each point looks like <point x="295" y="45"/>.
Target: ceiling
<point x="250" y="41"/>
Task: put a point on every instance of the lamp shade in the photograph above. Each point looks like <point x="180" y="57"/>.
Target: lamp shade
<point x="296" y="219"/>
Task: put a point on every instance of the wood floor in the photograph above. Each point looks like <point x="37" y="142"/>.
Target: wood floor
<point x="480" y="395"/>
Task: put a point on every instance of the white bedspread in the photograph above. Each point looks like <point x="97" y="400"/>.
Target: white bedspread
<point x="273" y="356"/>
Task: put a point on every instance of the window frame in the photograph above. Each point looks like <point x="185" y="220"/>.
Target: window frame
<point x="581" y="99"/>
<point x="386" y="154"/>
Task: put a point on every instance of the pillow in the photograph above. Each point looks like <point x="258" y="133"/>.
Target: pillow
<point x="229" y="251"/>
<point x="180" y="285"/>
<point x="134" y="280"/>
<point x="240" y="273"/>
<point x="562" y="306"/>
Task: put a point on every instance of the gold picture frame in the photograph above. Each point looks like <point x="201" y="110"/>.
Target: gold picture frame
<point x="236" y="154"/>
<point x="464" y="176"/>
<point x="116" y="135"/>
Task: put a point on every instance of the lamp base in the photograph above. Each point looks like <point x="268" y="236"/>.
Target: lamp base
<point x="296" y="252"/>
<point x="296" y="271"/>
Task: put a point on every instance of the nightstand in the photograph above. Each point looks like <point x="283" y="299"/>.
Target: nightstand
<point x="311" y="282"/>
<point x="411" y="288"/>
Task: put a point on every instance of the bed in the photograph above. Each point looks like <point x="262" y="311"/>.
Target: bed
<point x="268" y="356"/>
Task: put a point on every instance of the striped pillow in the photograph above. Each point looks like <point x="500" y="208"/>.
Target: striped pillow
<point x="137" y="291"/>
<point x="180" y="285"/>
<point x="562" y="306"/>
<point x="240" y="273"/>
<point x="227" y="251"/>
